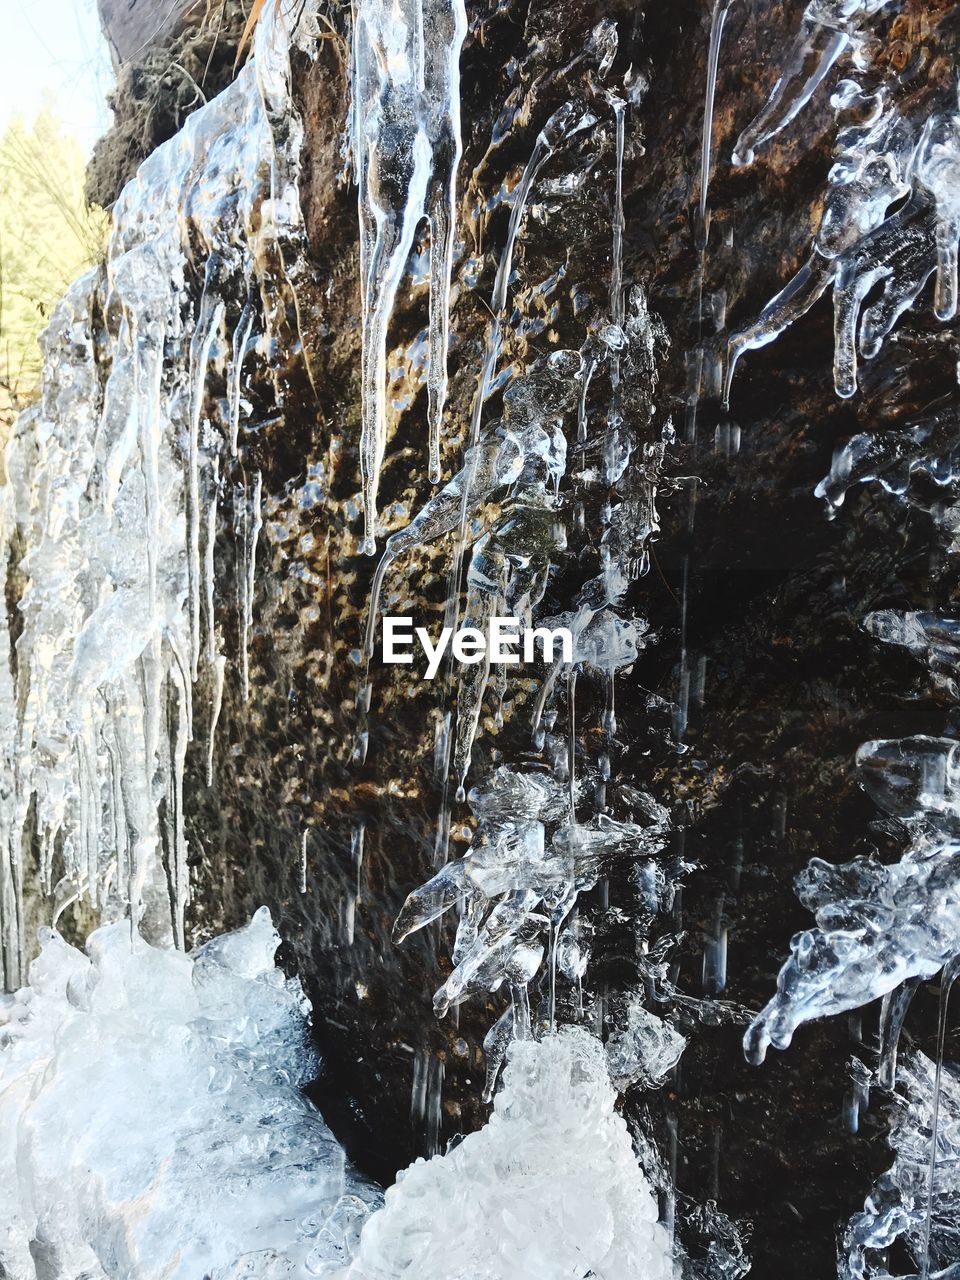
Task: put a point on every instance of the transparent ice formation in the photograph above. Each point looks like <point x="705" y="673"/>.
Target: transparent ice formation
<point x="532" y="854"/>
<point x="891" y="215"/>
<point x="151" y="1119"/>
<point x="515" y="889"/>
<point x="114" y="481"/>
<point x="828" y="28"/>
<point x="406" y="90"/>
<point x="930" y="637"/>
<point x="877" y="927"/>
<point x="881" y="928"/>
<point x="550" y="1187"/>
<point x="926" y="447"/>
<point x="644" y="1049"/>
<point x="906" y="1203"/>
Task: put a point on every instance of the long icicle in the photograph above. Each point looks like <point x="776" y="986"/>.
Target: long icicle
<point x="549" y="138"/>
<point x="407" y="146"/>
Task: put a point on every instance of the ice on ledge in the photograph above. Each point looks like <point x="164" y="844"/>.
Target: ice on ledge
<point x="550" y="1189"/>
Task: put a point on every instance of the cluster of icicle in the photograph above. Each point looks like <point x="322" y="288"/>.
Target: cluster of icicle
<point x="891" y="212"/>
<point x="111" y="503"/>
<point x="152" y="1121"/>
<point x="516" y="888"/>
<point x="891" y="220"/>
<point x="880" y="930"/>
<point x="917" y="1197"/>
<point x="535" y="849"/>
<point x="905" y="915"/>
<point x="152" y="1124"/>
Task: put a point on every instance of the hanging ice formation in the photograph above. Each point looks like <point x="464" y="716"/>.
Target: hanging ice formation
<point x="828" y="29"/>
<point x="152" y="1123"/>
<point x="905" y="915"/>
<point x="890" y="222"/>
<point x="891" y="216"/>
<point x="406" y="146"/>
<point x="543" y="834"/>
<point x="881" y="929"/>
<point x="114" y="481"/>
<point x="918" y="1198"/>
<point x="906" y="927"/>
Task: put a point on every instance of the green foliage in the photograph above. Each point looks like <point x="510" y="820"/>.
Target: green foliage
<point x="48" y="236"/>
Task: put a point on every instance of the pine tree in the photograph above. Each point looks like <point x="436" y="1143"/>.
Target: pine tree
<point x="48" y="235"/>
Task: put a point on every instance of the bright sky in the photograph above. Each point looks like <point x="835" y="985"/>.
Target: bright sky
<point x="55" y="48"/>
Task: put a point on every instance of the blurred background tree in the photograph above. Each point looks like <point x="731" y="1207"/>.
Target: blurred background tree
<point x="48" y="235"/>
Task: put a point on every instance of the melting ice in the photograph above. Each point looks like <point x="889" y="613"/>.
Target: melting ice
<point x="891" y="217"/>
<point x="406" y="89"/>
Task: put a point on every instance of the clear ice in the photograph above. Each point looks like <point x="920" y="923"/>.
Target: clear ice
<point x="877" y="925"/>
<point x="827" y="29"/>
<point x="906" y="1204"/>
<point x="880" y="928"/>
<point x="406" y="105"/>
<point x="891" y="215"/>
<point x="516" y="888"/>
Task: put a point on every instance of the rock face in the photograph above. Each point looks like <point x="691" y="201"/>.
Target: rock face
<point x="133" y="26"/>
<point x="754" y="597"/>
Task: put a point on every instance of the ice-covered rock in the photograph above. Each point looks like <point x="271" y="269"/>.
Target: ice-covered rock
<point x="549" y="1189"/>
<point x="151" y="1119"/>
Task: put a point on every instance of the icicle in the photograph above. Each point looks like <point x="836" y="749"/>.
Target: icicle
<point x="446" y="24"/>
<point x="495" y="1045"/>
<point x="356" y="853"/>
<point x="826" y="31"/>
<point x="593" y="361"/>
<point x="241" y="342"/>
<point x="572" y="742"/>
<point x="406" y="86"/>
<point x="947" y="979"/>
<point x="253" y="523"/>
<point x="616" y="268"/>
<point x="721" y="9"/>
<point x="112" y="483"/>
<point x="209" y="572"/>
<point x="793" y="301"/>
<point x="11" y="868"/>
<point x="218" y="673"/>
<point x="211" y="318"/>
<point x="893" y="1012"/>
<point x="561" y="124"/>
<point x="938" y="170"/>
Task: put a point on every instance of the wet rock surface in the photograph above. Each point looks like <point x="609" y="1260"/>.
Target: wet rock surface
<point x="785" y="683"/>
